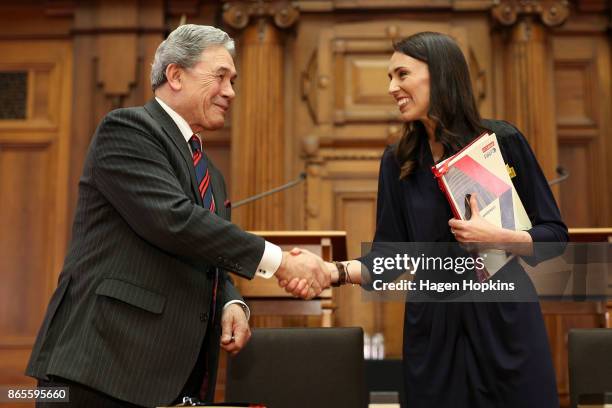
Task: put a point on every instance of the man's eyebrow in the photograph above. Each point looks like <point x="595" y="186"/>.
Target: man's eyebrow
<point x="223" y="70"/>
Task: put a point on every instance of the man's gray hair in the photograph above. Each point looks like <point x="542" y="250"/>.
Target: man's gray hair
<point x="184" y="46"/>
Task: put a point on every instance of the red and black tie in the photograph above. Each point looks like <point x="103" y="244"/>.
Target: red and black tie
<point x="203" y="178"/>
<point x="202" y="175"/>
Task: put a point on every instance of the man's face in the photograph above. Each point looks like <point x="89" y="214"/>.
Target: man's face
<point x="206" y="90"/>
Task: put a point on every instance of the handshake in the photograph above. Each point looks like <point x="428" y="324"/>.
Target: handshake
<point x="304" y="274"/>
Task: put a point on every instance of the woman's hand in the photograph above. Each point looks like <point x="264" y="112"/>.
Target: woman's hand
<point x="477" y="229"/>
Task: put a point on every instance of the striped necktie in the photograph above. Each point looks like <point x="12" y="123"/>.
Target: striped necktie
<point x="202" y="175"/>
<point x="203" y="179"/>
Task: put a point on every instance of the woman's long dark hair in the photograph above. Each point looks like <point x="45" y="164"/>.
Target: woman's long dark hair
<point x="452" y="107"/>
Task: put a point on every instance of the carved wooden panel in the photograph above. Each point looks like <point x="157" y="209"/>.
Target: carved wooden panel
<point x="344" y="83"/>
<point x="354" y="212"/>
<point x="574" y="81"/>
<point x="582" y="99"/>
<point x="34" y="153"/>
<point x="577" y="157"/>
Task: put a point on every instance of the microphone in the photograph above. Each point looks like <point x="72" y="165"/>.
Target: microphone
<point x="275" y="190"/>
<point x="563" y="174"/>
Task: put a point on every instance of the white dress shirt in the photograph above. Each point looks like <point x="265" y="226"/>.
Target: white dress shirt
<point x="273" y="255"/>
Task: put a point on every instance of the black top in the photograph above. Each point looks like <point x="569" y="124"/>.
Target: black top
<point x="470" y="354"/>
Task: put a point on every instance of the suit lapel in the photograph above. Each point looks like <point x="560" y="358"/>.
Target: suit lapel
<point x="166" y="122"/>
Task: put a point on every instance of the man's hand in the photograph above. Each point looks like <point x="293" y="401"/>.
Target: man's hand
<point x="235" y="331"/>
<point x="308" y="268"/>
<point x="298" y="287"/>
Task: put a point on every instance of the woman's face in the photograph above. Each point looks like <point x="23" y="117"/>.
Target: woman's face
<point x="409" y="86"/>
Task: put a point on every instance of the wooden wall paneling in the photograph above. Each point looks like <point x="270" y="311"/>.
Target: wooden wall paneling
<point x="602" y="45"/>
<point x="582" y="94"/>
<point x="361" y="106"/>
<point x="34" y="157"/>
<point x="114" y="45"/>
<point x="352" y="185"/>
<point x="479" y="58"/>
<point x="579" y="191"/>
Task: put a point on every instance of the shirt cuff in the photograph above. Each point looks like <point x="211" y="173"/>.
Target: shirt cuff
<point x="270" y="261"/>
<point x="240" y="303"/>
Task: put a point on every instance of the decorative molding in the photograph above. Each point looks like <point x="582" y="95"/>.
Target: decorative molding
<point x="310" y="146"/>
<point x="593" y="6"/>
<point x="60" y="8"/>
<point x="479" y="77"/>
<point x="309" y="85"/>
<point x="237" y="14"/>
<point x="335" y="154"/>
<point x="177" y="8"/>
<point x="551" y="12"/>
<point x="118" y="30"/>
<point x="324" y="6"/>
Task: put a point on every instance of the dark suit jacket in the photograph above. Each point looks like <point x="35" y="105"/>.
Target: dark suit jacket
<point x="134" y="297"/>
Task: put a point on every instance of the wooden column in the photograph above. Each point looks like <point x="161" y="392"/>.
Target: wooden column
<point x="258" y="147"/>
<point x="529" y="91"/>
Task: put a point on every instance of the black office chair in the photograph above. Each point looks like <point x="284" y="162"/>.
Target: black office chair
<point x="590" y="362"/>
<point x="300" y="368"/>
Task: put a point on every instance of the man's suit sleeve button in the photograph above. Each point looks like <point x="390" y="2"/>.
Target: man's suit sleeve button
<point x="203" y="317"/>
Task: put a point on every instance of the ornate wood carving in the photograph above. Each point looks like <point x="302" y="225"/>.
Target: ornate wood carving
<point x="238" y="14"/>
<point x="551" y="12"/>
<point x="309" y="85"/>
<point x="479" y="77"/>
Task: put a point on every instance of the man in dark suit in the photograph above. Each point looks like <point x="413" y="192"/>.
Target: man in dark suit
<point x="144" y="299"/>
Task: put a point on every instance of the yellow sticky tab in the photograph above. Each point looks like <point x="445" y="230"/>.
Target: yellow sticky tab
<point x="511" y="171"/>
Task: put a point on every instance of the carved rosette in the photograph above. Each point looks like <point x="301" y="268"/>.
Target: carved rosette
<point x="551" y="12"/>
<point x="237" y="14"/>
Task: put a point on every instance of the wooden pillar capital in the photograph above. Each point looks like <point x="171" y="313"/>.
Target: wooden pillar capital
<point x="238" y="14"/>
<point x="550" y="12"/>
<point x="262" y="33"/>
<point x="528" y="30"/>
<point x="529" y="91"/>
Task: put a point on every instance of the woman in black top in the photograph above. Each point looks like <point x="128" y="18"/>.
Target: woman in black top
<point x="459" y="354"/>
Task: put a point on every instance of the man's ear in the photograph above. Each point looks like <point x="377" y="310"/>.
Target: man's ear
<point x="174" y="75"/>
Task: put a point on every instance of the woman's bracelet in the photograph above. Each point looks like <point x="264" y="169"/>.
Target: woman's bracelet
<point x="348" y="274"/>
<point x="342" y="274"/>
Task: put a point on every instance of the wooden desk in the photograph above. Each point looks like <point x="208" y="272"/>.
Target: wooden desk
<point x="266" y="298"/>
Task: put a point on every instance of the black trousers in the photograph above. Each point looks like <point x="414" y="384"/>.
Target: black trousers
<point x="81" y="396"/>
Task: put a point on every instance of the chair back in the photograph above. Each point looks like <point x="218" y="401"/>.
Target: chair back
<point x="590" y="362"/>
<point x="300" y="368"/>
